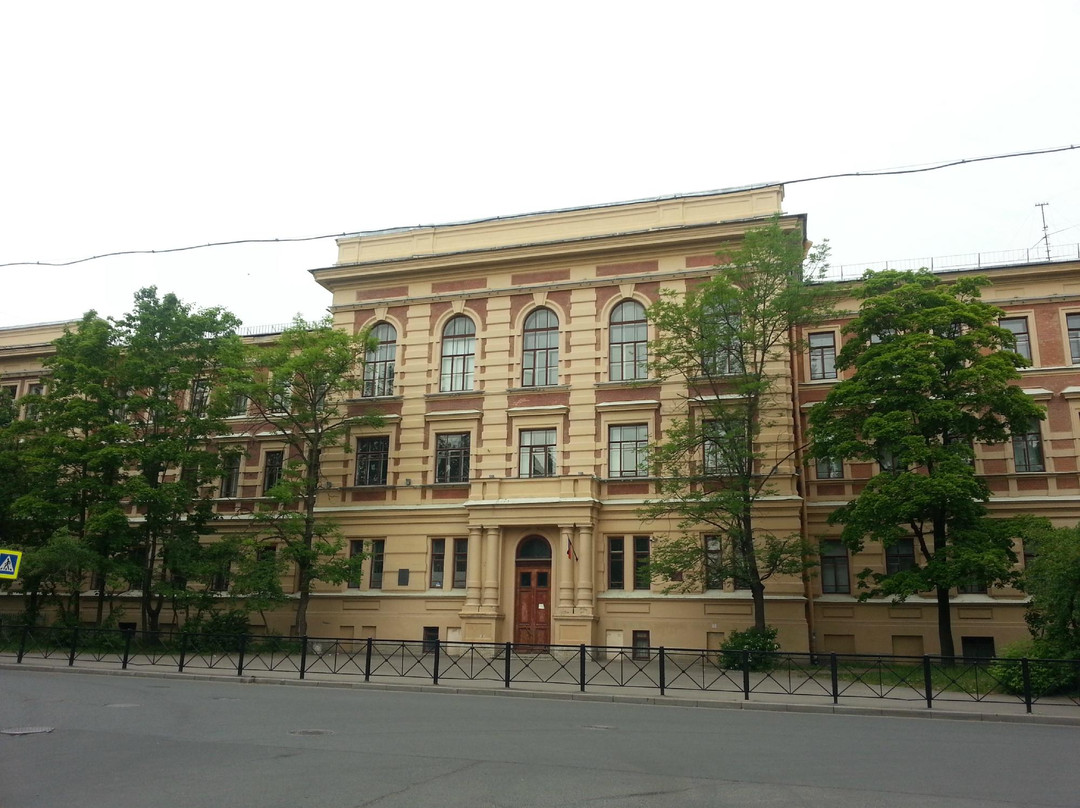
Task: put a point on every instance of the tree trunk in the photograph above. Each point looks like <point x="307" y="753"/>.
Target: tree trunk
<point x="944" y="616"/>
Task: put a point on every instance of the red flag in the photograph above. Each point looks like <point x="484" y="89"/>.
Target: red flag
<point x="571" y="553"/>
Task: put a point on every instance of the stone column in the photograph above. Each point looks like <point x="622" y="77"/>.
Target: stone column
<point x="565" y="603"/>
<point x="490" y="596"/>
<point x="586" y="554"/>
<point x="472" y="571"/>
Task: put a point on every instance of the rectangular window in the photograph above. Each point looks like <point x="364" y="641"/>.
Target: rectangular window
<point x="33" y="410"/>
<point x="642" y="579"/>
<point x="627" y="450"/>
<point x="900" y="556"/>
<point x="220" y="581"/>
<point x="438" y="563"/>
<point x="200" y="397"/>
<point x="722" y="451"/>
<point x="714" y="558"/>
<point x="977" y="649"/>
<point x="641" y="645"/>
<point x="835" y="579"/>
<point x="1019" y="328"/>
<point x="230" y="476"/>
<point x="452" y="457"/>
<point x="239" y="405"/>
<point x="378" y="550"/>
<point x="1073" y="324"/>
<point x="431" y="639"/>
<point x="372" y="459"/>
<point x="537" y="453"/>
<point x="356" y="547"/>
<point x="616" y="556"/>
<point x="8" y="391"/>
<point x="889" y="462"/>
<point x="830" y="468"/>
<point x="1027" y="448"/>
<point x="823" y="355"/>
<point x="461" y="562"/>
<point x="272" y="467"/>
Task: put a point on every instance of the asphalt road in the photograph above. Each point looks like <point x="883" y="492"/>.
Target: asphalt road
<point x="121" y="741"/>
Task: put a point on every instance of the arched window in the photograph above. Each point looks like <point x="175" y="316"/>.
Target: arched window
<point x="540" y="351"/>
<point x="458" y="351"/>
<point x="629" y="336"/>
<point x="379" y="366"/>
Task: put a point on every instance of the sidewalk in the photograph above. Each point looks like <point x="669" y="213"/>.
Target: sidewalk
<point x="1046" y="711"/>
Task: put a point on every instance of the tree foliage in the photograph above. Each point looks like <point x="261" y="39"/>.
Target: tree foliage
<point x="931" y="375"/>
<point x="1052" y="580"/>
<point x="304" y="385"/>
<point x="729" y="340"/>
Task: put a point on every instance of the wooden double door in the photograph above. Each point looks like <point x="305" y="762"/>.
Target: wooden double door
<point x="532" y="595"/>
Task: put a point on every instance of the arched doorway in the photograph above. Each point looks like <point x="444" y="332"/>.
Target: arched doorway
<point x="532" y="601"/>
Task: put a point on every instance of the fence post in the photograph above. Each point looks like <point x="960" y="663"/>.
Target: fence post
<point x="303" y="656"/>
<point x="506" y="665"/>
<point x="74" y="645"/>
<point x="127" y="649"/>
<point x="928" y="681"/>
<point x="183" y="650"/>
<point x="663" y="680"/>
<point x="367" y="659"/>
<point x="582" y="668"/>
<point x="746" y="674"/>
<point x="834" y="676"/>
<point x="1025" y="672"/>
<point x="240" y="659"/>
<point x="22" y="644"/>
<point x="435" y="665"/>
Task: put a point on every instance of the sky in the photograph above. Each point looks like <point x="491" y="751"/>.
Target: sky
<point x="150" y="126"/>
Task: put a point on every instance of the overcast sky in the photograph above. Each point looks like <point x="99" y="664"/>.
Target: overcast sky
<point x="136" y="126"/>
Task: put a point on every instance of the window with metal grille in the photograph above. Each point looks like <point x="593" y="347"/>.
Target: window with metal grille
<point x="540" y="349"/>
<point x="452" y="457"/>
<point x="629" y="342"/>
<point x="379" y="363"/>
<point x="372" y="459"/>
<point x="458" y="355"/>
<point x="642" y="644"/>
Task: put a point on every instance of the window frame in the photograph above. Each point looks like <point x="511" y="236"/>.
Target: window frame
<point x="1023" y="338"/>
<point x="230" y="476"/>
<point x="835" y="568"/>
<point x="642" y="550"/>
<point x="1027" y="446"/>
<point x="372" y="457"/>
<point x="628" y="342"/>
<point x="529" y="452"/>
<point x="540" y="349"/>
<point x="616" y="558"/>
<point x="278" y="468"/>
<point x="446" y="456"/>
<point x="829" y="468"/>
<point x="378" y="561"/>
<point x="457" y="355"/>
<point x="1072" y="333"/>
<point x="437" y="564"/>
<point x="617" y="448"/>
<point x="380" y="363"/>
<point x="900" y="556"/>
<point x="822" y="357"/>
<point x="356" y="547"/>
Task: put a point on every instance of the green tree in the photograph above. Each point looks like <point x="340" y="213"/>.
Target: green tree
<point x="1052" y="580"/>
<point x="304" y="385"/>
<point x="176" y="361"/>
<point x="931" y="375"/>
<point x="730" y="340"/>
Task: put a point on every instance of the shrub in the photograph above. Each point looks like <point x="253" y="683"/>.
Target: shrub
<point x="1048" y="675"/>
<point x="761" y="644"/>
<point x="219" y="631"/>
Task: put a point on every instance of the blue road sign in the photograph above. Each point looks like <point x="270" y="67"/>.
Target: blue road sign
<point x="9" y="564"/>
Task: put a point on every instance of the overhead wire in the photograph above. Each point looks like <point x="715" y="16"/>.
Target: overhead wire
<point x="877" y="173"/>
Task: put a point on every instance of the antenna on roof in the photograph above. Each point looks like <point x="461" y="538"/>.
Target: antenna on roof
<point x="1046" y="236"/>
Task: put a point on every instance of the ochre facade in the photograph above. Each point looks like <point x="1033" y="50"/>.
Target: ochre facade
<point x="500" y="500"/>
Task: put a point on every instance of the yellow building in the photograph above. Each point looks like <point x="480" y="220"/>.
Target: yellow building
<point x="500" y="500"/>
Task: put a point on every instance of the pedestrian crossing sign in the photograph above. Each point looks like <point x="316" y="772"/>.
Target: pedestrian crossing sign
<point x="9" y="564"/>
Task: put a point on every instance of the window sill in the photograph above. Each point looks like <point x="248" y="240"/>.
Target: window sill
<point x="627" y="383"/>
<point x="454" y="394"/>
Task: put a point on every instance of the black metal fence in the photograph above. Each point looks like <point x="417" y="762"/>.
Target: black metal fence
<point x="925" y="679"/>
